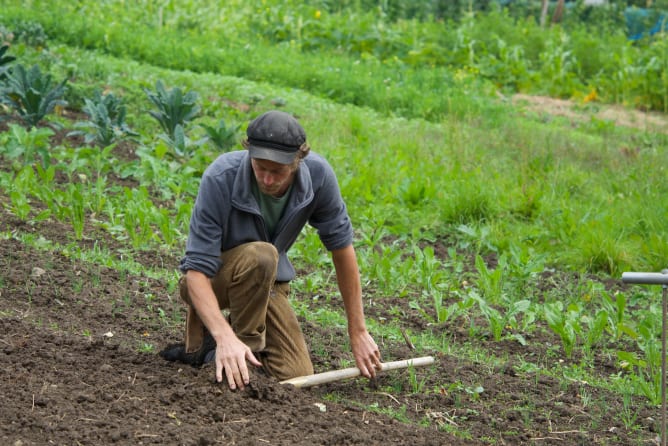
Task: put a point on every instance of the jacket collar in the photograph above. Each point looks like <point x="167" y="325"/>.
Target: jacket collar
<point x="242" y="192"/>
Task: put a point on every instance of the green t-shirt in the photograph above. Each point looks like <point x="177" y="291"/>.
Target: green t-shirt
<point x="271" y="207"/>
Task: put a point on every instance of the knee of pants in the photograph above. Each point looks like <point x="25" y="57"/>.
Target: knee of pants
<point x="303" y="369"/>
<point x="262" y="255"/>
<point x="283" y="370"/>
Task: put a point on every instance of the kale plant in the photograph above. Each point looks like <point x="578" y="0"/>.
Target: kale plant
<point x="222" y="136"/>
<point x="106" y="122"/>
<point x="174" y="110"/>
<point x="4" y="62"/>
<point x="32" y="94"/>
<point x="174" y="107"/>
<point x="31" y="33"/>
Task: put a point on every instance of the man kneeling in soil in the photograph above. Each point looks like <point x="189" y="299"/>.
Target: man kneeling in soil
<point x="251" y="206"/>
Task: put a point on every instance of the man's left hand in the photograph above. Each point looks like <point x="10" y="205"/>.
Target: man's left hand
<point x="367" y="355"/>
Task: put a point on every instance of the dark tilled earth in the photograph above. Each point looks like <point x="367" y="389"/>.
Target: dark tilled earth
<point x="76" y="370"/>
<point x="79" y="349"/>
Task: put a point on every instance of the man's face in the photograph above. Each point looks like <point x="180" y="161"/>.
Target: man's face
<point x="272" y="178"/>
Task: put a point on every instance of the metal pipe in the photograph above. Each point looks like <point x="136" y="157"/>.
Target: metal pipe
<point x="663" y="366"/>
<point x="646" y="278"/>
<point x="657" y="279"/>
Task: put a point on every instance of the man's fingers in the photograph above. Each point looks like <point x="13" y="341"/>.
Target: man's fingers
<point x="237" y="374"/>
<point x="244" y="375"/>
<point x="253" y="360"/>
<point x="366" y="368"/>
<point x="219" y="371"/>
<point x="232" y="362"/>
<point x="235" y="377"/>
<point x="370" y="372"/>
<point x="373" y="367"/>
<point x="231" y="378"/>
<point x="370" y="364"/>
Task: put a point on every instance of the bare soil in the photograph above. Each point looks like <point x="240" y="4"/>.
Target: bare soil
<point x="581" y="112"/>
<point x="79" y="349"/>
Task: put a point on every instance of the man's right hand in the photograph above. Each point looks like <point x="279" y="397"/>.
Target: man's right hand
<point x="231" y="356"/>
<point x="231" y="353"/>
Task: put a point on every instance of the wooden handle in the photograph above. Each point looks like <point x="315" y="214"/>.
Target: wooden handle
<point x="337" y="375"/>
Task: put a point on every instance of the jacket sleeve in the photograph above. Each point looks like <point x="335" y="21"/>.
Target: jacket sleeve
<point x="330" y="215"/>
<point x="206" y="228"/>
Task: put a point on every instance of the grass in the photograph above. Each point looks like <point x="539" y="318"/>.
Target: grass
<point x="463" y="216"/>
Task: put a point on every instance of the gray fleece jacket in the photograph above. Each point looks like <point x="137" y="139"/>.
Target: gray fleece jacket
<point x="226" y="213"/>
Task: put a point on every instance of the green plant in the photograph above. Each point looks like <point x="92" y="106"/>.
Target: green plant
<point x="629" y="413"/>
<point x="20" y="189"/>
<point x="146" y="347"/>
<point x="32" y="94"/>
<point x="564" y="322"/>
<point x="106" y="122"/>
<point x="23" y="145"/>
<point x="443" y="311"/>
<point x="75" y="209"/>
<point x="491" y="282"/>
<point x="19" y="205"/>
<point x="4" y="61"/>
<point x="180" y="143"/>
<point x="222" y="136"/>
<point x="6" y="35"/>
<point x="31" y="33"/>
<point x="174" y="110"/>
<point x="416" y="383"/>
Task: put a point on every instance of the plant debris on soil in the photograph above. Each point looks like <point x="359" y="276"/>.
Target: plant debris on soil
<point x="79" y="348"/>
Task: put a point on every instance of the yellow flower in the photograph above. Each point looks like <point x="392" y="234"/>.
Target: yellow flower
<point x="317" y="14"/>
<point x="592" y="96"/>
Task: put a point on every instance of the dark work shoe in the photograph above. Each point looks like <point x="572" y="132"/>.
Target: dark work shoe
<point x="177" y="352"/>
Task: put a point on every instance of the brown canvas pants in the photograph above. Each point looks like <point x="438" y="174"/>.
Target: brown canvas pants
<point x="259" y="310"/>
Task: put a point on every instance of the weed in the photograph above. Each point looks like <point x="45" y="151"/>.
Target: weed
<point x="585" y="397"/>
<point x="146" y="347"/>
<point x="416" y="383"/>
<point x="629" y="414"/>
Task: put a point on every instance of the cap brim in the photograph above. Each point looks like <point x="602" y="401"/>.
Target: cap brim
<point x="278" y="156"/>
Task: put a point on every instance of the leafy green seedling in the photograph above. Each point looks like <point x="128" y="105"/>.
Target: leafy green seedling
<point x="146" y="347"/>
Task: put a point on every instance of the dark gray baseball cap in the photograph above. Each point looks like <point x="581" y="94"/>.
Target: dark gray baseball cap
<point x="275" y="136"/>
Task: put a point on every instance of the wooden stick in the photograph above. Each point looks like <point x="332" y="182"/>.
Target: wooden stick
<point x="352" y="372"/>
